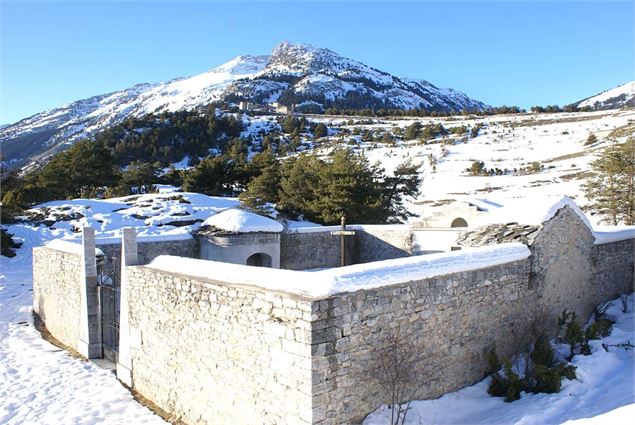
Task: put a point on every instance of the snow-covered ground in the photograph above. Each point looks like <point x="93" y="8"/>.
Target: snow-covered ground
<point x="603" y="393"/>
<point x="40" y="383"/>
<point x="557" y="142"/>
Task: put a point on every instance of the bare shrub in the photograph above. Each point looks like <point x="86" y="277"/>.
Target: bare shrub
<point x="395" y="370"/>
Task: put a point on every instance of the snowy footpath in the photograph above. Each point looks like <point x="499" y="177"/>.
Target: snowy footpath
<point x="41" y="384"/>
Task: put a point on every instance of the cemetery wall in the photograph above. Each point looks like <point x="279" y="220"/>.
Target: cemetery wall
<point x="57" y="285"/>
<point x="212" y="352"/>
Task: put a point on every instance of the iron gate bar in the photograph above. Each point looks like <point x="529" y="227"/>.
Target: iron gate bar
<point x="109" y="303"/>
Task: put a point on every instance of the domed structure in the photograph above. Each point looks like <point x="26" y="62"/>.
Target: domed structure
<point x="241" y="237"/>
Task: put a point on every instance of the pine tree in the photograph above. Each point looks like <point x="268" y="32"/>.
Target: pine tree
<point x="320" y="131"/>
<point x="137" y="178"/>
<point x="211" y="176"/>
<point x="349" y="185"/>
<point x="413" y="131"/>
<point x="404" y="183"/>
<point x="78" y="171"/>
<point x="299" y="180"/>
<point x="265" y="183"/>
<point x="611" y="189"/>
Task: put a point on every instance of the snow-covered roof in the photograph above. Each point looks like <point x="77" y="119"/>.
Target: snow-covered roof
<point x="240" y="221"/>
<point x="346" y="279"/>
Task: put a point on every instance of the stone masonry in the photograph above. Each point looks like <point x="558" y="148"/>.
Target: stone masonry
<point x="57" y="293"/>
<point x="148" y="251"/>
<point x="451" y="320"/>
<point x="217" y="353"/>
<point x="561" y="268"/>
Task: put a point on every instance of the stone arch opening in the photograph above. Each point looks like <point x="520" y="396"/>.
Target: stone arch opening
<point x="259" y="259"/>
<point x="459" y="222"/>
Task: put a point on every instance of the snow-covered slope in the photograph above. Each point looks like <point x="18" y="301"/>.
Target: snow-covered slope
<point x="293" y="73"/>
<point x="555" y="144"/>
<point x="619" y="97"/>
<point x="51" y="131"/>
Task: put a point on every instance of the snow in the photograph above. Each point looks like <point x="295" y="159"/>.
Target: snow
<point x="70" y="247"/>
<point x="39" y="382"/>
<point x="356" y="277"/>
<point x="535" y="210"/>
<point x="607" y="234"/>
<point x="627" y="90"/>
<point x="239" y="221"/>
<point x="602" y="394"/>
<point x="166" y="188"/>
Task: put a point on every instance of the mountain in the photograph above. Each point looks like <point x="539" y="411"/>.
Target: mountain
<point x="310" y="78"/>
<point x="619" y="97"/>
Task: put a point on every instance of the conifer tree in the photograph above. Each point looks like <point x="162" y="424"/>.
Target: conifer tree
<point x="263" y="186"/>
<point x="348" y="185"/>
<point x="413" y="131"/>
<point x="299" y="179"/>
<point x="78" y="171"/>
<point x="320" y="131"/>
<point x="404" y="183"/>
<point x="611" y="189"/>
<point x="211" y="176"/>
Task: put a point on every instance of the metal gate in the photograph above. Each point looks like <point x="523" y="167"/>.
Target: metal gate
<point x="109" y="289"/>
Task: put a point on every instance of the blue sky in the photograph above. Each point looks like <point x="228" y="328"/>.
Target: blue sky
<point x="505" y="52"/>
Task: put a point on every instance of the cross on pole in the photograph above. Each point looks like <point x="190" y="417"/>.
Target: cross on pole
<point x="342" y="233"/>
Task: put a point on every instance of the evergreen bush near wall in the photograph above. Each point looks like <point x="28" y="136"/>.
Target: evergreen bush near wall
<point x="543" y="372"/>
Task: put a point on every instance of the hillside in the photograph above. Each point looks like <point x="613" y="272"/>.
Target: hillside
<point x="524" y="155"/>
<point x="294" y="74"/>
<point x="619" y="97"/>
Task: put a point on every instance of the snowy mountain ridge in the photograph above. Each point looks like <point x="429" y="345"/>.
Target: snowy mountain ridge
<point x="618" y="97"/>
<point x="292" y="74"/>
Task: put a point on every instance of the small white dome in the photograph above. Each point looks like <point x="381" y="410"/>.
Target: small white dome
<point x="240" y="221"/>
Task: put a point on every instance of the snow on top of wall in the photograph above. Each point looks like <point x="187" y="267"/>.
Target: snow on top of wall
<point x="483" y="204"/>
<point x="111" y="240"/>
<point x="239" y="221"/>
<point x="69" y="247"/>
<point x="346" y="279"/>
<point x="535" y="210"/>
<point x="608" y="234"/>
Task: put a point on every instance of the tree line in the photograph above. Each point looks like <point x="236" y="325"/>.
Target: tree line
<point x="304" y="186"/>
<point x="422" y="112"/>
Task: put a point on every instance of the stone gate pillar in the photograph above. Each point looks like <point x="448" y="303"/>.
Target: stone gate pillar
<point x="89" y="344"/>
<point x="129" y="257"/>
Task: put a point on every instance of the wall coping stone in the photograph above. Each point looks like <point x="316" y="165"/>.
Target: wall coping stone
<point x="325" y="283"/>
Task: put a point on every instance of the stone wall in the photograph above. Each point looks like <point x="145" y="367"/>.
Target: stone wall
<point x="219" y="353"/>
<point x="312" y="250"/>
<point x="375" y="243"/>
<point x="57" y="285"/>
<point x="451" y="320"/>
<point x="561" y="267"/>
<point x="149" y="250"/>
<point x="612" y="269"/>
<point x="319" y="249"/>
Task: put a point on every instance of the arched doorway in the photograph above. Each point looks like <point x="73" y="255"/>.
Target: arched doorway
<point x="459" y="222"/>
<point x="259" y="260"/>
